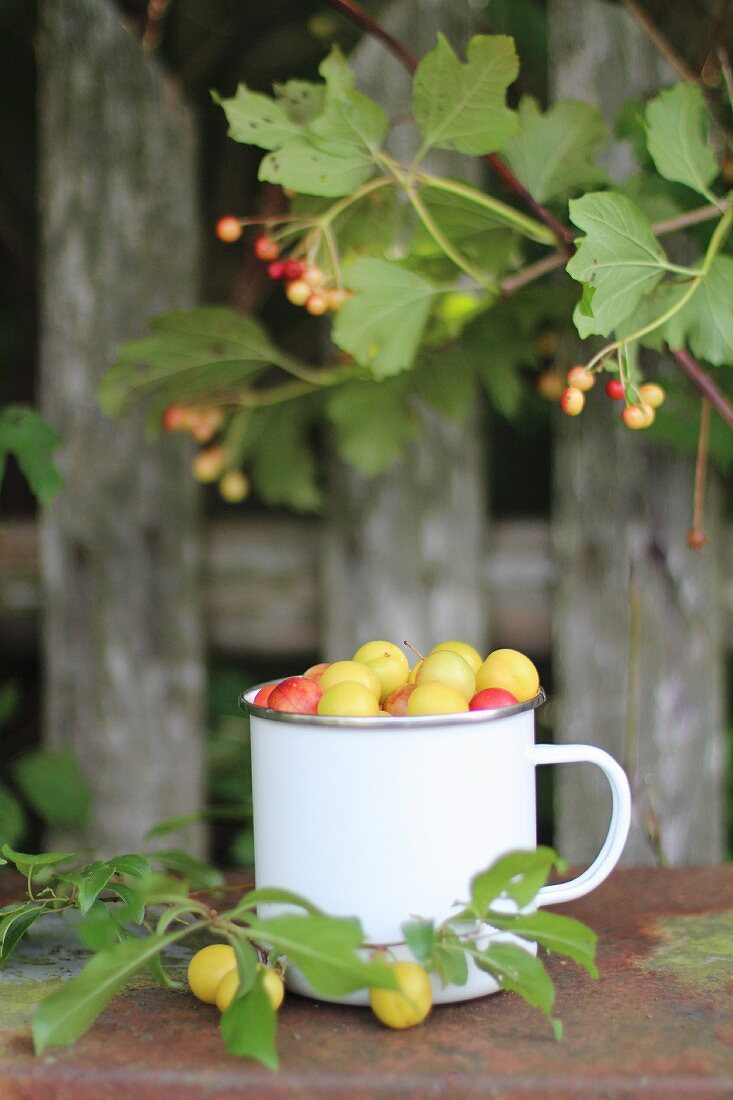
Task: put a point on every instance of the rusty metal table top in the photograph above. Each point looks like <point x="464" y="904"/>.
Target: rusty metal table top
<point x="658" y="1023"/>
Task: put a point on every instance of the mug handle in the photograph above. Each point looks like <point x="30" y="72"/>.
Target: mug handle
<point x="618" y="830"/>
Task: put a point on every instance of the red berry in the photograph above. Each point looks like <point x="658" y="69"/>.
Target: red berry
<point x="266" y="248"/>
<point x="176" y="418"/>
<point x="276" y="270"/>
<point x="696" y="539"/>
<point x="581" y="378"/>
<point x="572" y="401"/>
<point x="317" y="305"/>
<point x="550" y="385"/>
<point x="652" y="394"/>
<point x="615" y="389"/>
<point x="298" y="292"/>
<point x="293" y="269"/>
<point x="208" y="464"/>
<point x="637" y="417"/>
<point x="228" y="229"/>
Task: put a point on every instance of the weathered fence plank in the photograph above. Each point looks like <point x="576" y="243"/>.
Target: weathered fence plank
<point x="120" y="553"/>
<point x="403" y="552"/>
<point x="637" y="617"/>
<point x="260" y="586"/>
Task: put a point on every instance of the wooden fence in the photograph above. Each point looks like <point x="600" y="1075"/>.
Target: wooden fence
<point x="261" y="586"/>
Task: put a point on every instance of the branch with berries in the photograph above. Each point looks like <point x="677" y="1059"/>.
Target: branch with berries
<point x="429" y="282"/>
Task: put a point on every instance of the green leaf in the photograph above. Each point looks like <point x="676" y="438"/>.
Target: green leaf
<point x="9" y="701"/>
<point x="199" y="875"/>
<point x="55" y="786"/>
<point x="564" y="935"/>
<point x="301" y="100"/>
<point x="131" y="864"/>
<point x="372" y="422"/>
<point x="517" y="875"/>
<point x="631" y="126"/>
<point x="246" y="964"/>
<point x="12" y="817"/>
<point x="283" y="463"/>
<point x="173" y="824"/>
<point x="191" y="354"/>
<point x="272" y="895"/>
<point x="257" y="119"/>
<point x="350" y="124"/>
<point x="481" y="235"/>
<point x="462" y="106"/>
<point x="321" y="141"/>
<point x="71" y="1010"/>
<point x="134" y="903"/>
<point x="554" y="152"/>
<point x="449" y="958"/>
<point x="420" y="938"/>
<point x="326" y="950"/>
<point x="676" y="138"/>
<point x="15" y="926"/>
<point x="619" y="257"/>
<point x="161" y="975"/>
<point x="101" y="927"/>
<point x="161" y="889"/>
<point x="94" y="880"/>
<point x="249" y="1025"/>
<point x="497" y="346"/>
<point x="367" y="227"/>
<point x="382" y="323"/>
<point x="706" y="321"/>
<point x="302" y="166"/>
<point x="446" y="381"/>
<point x="26" y="864"/>
<point x="520" y="972"/>
<point x="27" y="436"/>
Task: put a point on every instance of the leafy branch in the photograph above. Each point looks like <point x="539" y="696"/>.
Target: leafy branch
<point x="132" y="913"/>
<point x="417" y="269"/>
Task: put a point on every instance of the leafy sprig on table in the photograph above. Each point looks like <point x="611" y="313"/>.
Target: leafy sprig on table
<point x="430" y="263"/>
<point x="132" y="909"/>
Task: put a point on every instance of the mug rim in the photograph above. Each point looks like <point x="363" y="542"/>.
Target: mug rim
<point x="383" y="721"/>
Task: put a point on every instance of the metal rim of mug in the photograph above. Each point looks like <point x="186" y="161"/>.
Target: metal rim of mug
<point x="381" y="721"/>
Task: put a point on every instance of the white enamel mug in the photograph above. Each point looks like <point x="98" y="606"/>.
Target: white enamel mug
<point x="389" y="818"/>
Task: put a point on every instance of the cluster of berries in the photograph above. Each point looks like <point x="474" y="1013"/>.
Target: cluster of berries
<point x="635" y="414"/>
<point x="305" y="284"/>
<point x="202" y="423"/>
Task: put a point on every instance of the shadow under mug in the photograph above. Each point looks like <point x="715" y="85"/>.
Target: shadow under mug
<point x="389" y="818"/>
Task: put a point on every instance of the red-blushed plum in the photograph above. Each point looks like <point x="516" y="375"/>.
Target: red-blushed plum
<point x="396" y="703"/>
<point x="492" y="699"/>
<point x="316" y="671"/>
<point x="296" y="695"/>
<point x="261" y="699"/>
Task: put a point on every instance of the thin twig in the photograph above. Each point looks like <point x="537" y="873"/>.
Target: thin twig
<point x="701" y="465"/>
<point x="661" y="42"/>
<point x="691" y="217"/>
<point x="727" y="71"/>
<point x="358" y="16"/>
<point x="533" y="271"/>
<point x="704" y="384"/>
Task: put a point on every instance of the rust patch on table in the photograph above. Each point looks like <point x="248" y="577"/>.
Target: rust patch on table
<point x="644" y="1030"/>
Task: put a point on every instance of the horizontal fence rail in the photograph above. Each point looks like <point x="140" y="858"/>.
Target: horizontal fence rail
<point x="261" y="586"/>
